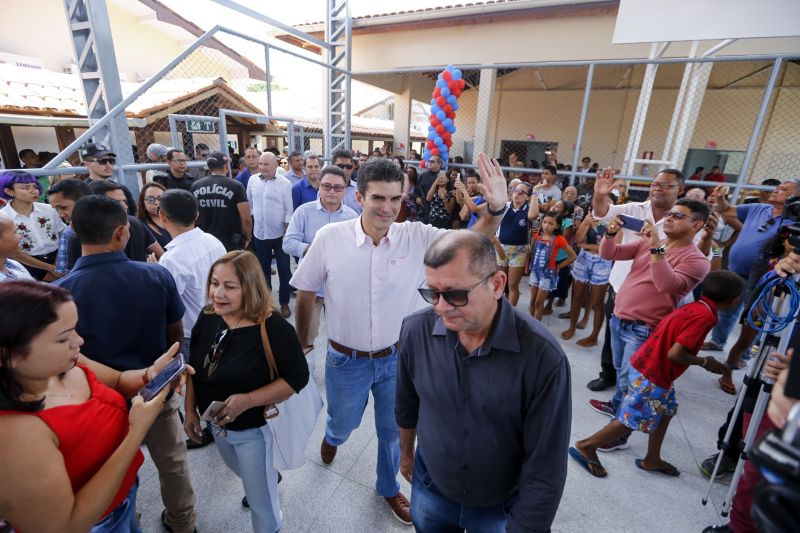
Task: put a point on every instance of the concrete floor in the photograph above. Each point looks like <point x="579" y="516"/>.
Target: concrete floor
<point x="341" y="497"/>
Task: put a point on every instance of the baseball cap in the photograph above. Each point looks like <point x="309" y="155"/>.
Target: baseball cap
<point x="95" y="150"/>
<point x="216" y="160"/>
<point x="157" y="150"/>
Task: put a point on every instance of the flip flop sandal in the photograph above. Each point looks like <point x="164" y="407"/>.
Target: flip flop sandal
<point x="667" y="469"/>
<point x="728" y="388"/>
<point x="564" y="315"/>
<point x="584" y="462"/>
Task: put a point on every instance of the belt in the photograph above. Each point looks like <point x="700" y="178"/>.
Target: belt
<point x="377" y="354"/>
<point x="637" y="322"/>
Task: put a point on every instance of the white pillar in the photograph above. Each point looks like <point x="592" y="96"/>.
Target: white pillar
<point x="402" y="121"/>
<point x="486" y="113"/>
<point x="695" y="91"/>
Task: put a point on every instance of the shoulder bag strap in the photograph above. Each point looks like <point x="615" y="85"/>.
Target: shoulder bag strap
<point x="273" y="367"/>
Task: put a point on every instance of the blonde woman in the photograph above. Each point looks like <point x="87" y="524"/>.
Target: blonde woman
<point x="231" y="364"/>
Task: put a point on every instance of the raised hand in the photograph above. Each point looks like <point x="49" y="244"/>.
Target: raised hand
<point x="493" y="184"/>
<point x="650" y="233"/>
<point x="604" y="181"/>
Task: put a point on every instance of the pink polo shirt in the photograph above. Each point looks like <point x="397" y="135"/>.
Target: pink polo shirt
<point x="369" y="289"/>
<point x="652" y="289"/>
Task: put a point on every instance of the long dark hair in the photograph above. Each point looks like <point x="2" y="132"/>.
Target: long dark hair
<point x="27" y="308"/>
<point x="141" y="210"/>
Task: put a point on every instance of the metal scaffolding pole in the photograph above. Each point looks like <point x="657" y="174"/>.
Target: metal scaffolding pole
<point x="90" y="31"/>
<point x="338" y="34"/>
<point x="581" y="124"/>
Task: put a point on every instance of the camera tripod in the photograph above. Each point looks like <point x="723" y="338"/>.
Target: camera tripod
<point x="784" y="307"/>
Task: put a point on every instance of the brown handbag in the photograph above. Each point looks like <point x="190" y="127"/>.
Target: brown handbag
<point x="271" y="410"/>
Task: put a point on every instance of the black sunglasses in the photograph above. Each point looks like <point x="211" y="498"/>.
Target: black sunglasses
<point x="104" y="161"/>
<point x="344" y="166"/>
<point x="215" y="352"/>
<point x="455" y="297"/>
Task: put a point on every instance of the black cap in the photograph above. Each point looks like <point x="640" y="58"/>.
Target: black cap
<point x="217" y="160"/>
<point x="95" y="150"/>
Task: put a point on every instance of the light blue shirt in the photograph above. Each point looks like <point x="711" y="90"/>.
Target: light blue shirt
<point x="350" y="197"/>
<point x="306" y="221"/>
<point x="14" y="270"/>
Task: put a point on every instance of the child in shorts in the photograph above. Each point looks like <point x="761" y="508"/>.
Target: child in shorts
<point x="650" y="402"/>
<point x="545" y="245"/>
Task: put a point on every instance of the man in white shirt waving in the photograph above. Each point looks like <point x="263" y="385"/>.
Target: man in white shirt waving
<point x="369" y="267"/>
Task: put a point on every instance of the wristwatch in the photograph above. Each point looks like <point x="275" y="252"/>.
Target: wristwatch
<point x="498" y="212"/>
<point x="658" y="251"/>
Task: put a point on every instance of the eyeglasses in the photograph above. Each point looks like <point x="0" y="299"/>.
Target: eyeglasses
<point x="766" y="225"/>
<point x="152" y="199"/>
<point x="26" y="186"/>
<point x="344" y="166"/>
<point x="677" y="215"/>
<point x="104" y="161"/>
<point x="455" y="297"/>
<point x="521" y="191"/>
<point x="663" y="186"/>
<point x="330" y="187"/>
<point x="215" y="353"/>
<point x="180" y="161"/>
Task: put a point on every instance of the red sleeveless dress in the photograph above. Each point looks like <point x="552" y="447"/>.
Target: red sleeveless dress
<point x="88" y="433"/>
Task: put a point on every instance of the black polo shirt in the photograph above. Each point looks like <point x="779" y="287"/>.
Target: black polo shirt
<point x="218" y="199"/>
<point x="492" y="426"/>
<point x="171" y="182"/>
<point x="124" y="308"/>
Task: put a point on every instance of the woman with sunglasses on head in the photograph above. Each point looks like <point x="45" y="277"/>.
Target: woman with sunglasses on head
<point x="37" y="224"/>
<point x="69" y="452"/>
<point x="147" y="211"/>
<point x="232" y="367"/>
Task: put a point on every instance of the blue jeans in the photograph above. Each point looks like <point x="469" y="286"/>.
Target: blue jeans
<point x="726" y="321"/>
<point x="348" y="381"/>
<point x="626" y="338"/>
<point x="433" y="512"/>
<point x="123" y="518"/>
<point x="265" y="250"/>
<point x="249" y="454"/>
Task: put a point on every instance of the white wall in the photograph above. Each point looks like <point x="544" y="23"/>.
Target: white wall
<point x="38" y="139"/>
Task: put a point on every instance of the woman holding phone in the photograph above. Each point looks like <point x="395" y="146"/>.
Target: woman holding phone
<point x="232" y="368"/>
<point x="69" y="452"/>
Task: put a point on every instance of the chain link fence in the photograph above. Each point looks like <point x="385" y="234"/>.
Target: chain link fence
<point x="699" y="114"/>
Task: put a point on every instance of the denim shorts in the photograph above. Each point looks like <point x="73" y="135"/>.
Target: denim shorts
<point x="546" y="281"/>
<point x="591" y="268"/>
<point x="645" y="404"/>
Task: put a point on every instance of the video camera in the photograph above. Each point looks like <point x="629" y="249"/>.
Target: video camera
<point x="791" y="211"/>
<point x="776" y="505"/>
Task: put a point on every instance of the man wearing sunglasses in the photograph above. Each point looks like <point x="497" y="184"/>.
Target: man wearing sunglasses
<point x="664" y="191"/>
<point x="101" y="163"/>
<point x="368" y="268"/>
<point x="485" y="390"/>
<point x="344" y="160"/>
<point x="309" y="218"/>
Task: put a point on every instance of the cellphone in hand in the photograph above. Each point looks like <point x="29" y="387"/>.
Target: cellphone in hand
<point x="210" y="414"/>
<point x="163" y="378"/>
<point x="631" y="223"/>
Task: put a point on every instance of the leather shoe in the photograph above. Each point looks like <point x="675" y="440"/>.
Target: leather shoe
<point x="205" y="440"/>
<point x="600" y="383"/>
<point x="285" y="311"/>
<point x="327" y="452"/>
<point x="401" y="509"/>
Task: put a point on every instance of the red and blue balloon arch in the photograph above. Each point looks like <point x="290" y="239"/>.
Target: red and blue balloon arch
<point x="444" y="105"/>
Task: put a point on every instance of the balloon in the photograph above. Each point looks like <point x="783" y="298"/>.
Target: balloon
<point x="456" y="93"/>
<point x="445" y="93"/>
<point x="446" y="137"/>
<point x="454" y="107"/>
<point x="447" y="75"/>
<point x="461" y="83"/>
<point x="441" y="101"/>
<point x="430" y="127"/>
<point x="438" y="141"/>
<point x="457" y="74"/>
<point x="434" y="151"/>
<point x="440" y="115"/>
<point x="435" y="109"/>
<point x="441" y="83"/>
<point x="433" y="102"/>
<point x="435" y="122"/>
<point x="451" y="129"/>
<point x="451" y="99"/>
<point x="430" y="144"/>
<point x="440" y="129"/>
<point x="450" y="67"/>
<point x="431" y="135"/>
<point x="447" y="109"/>
<point x="422" y="164"/>
<point x="437" y="92"/>
<point x="447" y="122"/>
